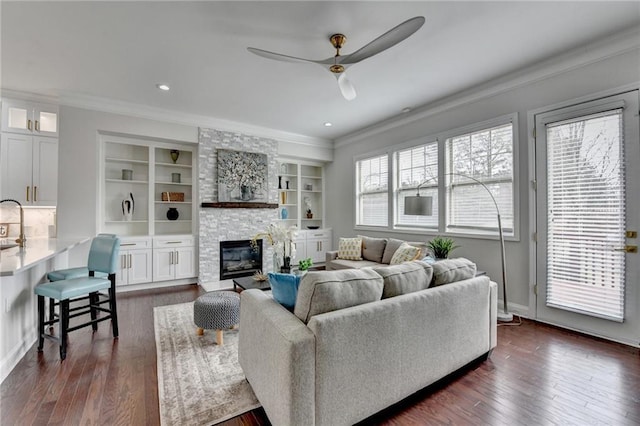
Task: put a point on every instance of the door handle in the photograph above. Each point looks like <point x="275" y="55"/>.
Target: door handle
<point x="170" y="258"/>
<point x="130" y="262"/>
<point x="628" y="249"/>
<point x="35" y="193"/>
<point x="28" y="193"/>
<point x="29" y="124"/>
<point x="37" y="126"/>
<point x="177" y="257"/>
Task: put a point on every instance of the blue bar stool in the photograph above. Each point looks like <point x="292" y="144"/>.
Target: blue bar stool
<point x="69" y="273"/>
<point x="103" y="257"/>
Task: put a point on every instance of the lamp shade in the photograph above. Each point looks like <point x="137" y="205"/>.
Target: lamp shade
<point x="418" y="205"/>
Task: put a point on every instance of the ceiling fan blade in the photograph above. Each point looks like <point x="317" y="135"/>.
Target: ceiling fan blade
<point x="278" y="56"/>
<point x="385" y="41"/>
<point x="346" y="88"/>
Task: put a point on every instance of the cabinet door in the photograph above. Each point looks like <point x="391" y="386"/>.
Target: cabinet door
<point x="45" y="120"/>
<point x="17" y="117"/>
<point x="301" y="250"/>
<point x="15" y="156"/>
<point x="45" y="171"/>
<point x="121" y="274"/>
<point x="163" y="268"/>
<point x="317" y="249"/>
<point x="185" y="262"/>
<point x="139" y="266"/>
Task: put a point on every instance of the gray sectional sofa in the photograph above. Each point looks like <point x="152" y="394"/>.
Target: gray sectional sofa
<point x="375" y="252"/>
<point x="360" y="340"/>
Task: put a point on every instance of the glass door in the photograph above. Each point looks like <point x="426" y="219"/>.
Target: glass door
<point x="587" y="169"/>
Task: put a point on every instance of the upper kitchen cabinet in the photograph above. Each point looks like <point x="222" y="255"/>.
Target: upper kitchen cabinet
<point x="29" y="118"/>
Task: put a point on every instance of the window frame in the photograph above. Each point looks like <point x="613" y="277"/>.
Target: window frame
<point x="441" y="139"/>
<point x="356" y="185"/>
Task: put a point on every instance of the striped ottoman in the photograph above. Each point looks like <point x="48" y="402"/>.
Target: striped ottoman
<point x="216" y="310"/>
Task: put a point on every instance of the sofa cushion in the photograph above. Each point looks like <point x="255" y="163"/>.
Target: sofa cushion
<point x="373" y="248"/>
<point x="452" y="270"/>
<point x="326" y="291"/>
<point x="405" y="278"/>
<point x="405" y="253"/>
<point x="284" y="288"/>
<point x="390" y="249"/>
<point x="352" y="264"/>
<point x="350" y="248"/>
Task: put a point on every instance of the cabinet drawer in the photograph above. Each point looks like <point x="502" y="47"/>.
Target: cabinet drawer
<point x="134" y="243"/>
<point x="175" y="241"/>
<point x="319" y="234"/>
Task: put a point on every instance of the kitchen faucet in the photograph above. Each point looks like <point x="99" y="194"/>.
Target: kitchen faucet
<point x="22" y="239"/>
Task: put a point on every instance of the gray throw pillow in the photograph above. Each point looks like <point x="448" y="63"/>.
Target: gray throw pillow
<point x="326" y="291"/>
<point x="373" y="248"/>
<point x="405" y="278"/>
<point x="390" y="249"/>
<point x="452" y="270"/>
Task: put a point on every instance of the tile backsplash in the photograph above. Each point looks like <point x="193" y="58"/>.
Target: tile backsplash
<point x="38" y="222"/>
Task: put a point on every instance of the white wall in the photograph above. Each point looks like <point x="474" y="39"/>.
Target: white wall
<point x="606" y="74"/>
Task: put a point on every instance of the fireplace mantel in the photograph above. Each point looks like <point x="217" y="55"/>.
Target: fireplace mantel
<point x="239" y="205"/>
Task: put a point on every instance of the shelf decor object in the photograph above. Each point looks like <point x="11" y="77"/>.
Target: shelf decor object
<point x="174" y="155"/>
<point x="128" y="205"/>
<point x="172" y="213"/>
<point x="242" y="177"/>
<point x="423" y="206"/>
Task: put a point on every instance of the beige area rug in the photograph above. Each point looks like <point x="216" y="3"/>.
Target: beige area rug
<point x="199" y="382"/>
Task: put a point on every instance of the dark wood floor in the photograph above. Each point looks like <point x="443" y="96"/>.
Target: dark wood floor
<point x="537" y="375"/>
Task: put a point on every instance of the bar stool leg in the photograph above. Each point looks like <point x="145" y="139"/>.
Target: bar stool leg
<point x="93" y="300"/>
<point x="40" y="323"/>
<point x="113" y="305"/>
<point x="64" y="325"/>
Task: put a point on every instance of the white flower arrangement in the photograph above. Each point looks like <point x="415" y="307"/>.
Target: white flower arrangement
<point x="281" y="238"/>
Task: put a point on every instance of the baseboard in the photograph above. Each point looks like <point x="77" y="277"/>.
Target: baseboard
<point x="516" y="309"/>
<point x="12" y="359"/>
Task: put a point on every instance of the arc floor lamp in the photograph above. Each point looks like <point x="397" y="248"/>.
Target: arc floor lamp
<point x="418" y="205"/>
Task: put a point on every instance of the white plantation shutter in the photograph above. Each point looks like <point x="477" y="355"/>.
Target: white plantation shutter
<point x="415" y="166"/>
<point x="586" y="213"/>
<point x="372" y="180"/>
<point x="485" y="155"/>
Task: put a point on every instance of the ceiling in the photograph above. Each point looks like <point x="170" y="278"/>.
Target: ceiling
<point x="120" y="50"/>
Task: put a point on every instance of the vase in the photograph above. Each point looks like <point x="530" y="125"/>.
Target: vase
<point x="287" y="182"/>
<point x="284" y="213"/>
<point x="172" y="213"/>
<point x="286" y="266"/>
<point x="276" y="262"/>
<point x="279" y="182"/>
<point x="246" y="193"/>
<point x="174" y="155"/>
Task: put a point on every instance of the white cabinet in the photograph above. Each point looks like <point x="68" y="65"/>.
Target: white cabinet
<point x="174" y="258"/>
<point x="313" y="244"/>
<point x="29" y="118"/>
<point x="29" y="169"/>
<point x="135" y="261"/>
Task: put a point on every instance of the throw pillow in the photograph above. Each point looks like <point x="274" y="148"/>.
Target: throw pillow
<point x="452" y="270"/>
<point x="405" y="253"/>
<point x="405" y="278"/>
<point x="390" y="249"/>
<point x="373" y="248"/>
<point x="350" y="248"/>
<point x="326" y="291"/>
<point x="284" y="288"/>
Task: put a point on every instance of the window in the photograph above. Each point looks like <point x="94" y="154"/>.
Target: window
<point x="372" y="182"/>
<point x="483" y="157"/>
<point x="415" y="166"/>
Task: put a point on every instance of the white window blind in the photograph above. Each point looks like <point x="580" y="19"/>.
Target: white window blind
<point x="372" y="179"/>
<point x="415" y="166"/>
<point x="586" y="215"/>
<point x="485" y="155"/>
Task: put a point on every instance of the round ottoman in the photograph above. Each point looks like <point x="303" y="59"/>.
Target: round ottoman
<point x="216" y="310"/>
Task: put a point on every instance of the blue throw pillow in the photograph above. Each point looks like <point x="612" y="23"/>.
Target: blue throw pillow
<point x="284" y="288"/>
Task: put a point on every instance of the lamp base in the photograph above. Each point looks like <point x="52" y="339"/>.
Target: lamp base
<point x="505" y="316"/>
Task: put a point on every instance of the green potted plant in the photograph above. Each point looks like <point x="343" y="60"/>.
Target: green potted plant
<point x="440" y="247"/>
<point x="304" y="265"/>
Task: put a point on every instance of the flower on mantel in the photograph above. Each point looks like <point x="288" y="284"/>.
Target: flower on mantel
<point x="281" y="238"/>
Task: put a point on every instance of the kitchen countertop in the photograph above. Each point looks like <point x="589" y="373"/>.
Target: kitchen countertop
<point x="15" y="260"/>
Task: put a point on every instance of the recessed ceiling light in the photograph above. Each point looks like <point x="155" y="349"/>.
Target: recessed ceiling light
<point x="327" y="124"/>
<point x="406" y="110"/>
<point x="162" y="86"/>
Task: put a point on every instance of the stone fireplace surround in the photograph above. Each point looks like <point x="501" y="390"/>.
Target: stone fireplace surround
<point x="224" y="224"/>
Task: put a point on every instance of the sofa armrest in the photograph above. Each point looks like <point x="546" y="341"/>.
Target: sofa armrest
<point x="329" y="257"/>
<point x="277" y="354"/>
<point x="493" y="315"/>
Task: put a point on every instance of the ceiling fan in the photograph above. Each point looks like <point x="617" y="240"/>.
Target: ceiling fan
<point x="338" y="64"/>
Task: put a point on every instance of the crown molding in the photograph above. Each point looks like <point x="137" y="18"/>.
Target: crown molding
<point x="615" y="45"/>
<point x="96" y="103"/>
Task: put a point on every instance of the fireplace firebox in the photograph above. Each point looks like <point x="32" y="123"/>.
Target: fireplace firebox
<point x="239" y="259"/>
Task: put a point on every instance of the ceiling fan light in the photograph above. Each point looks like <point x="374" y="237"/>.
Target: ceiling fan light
<point x="346" y="88"/>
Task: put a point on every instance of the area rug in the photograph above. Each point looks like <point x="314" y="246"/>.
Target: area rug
<point x="199" y="382"/>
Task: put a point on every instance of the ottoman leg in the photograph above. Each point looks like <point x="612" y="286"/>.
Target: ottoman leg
<point x="200" y="331"/>
<point x="219" y="338"/>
